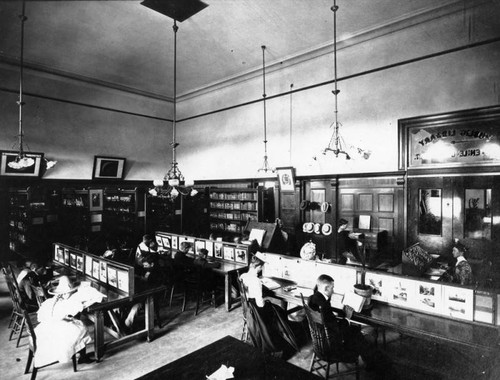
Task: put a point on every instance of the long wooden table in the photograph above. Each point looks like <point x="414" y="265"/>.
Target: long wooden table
<point x="419" y="325"/>
<point x="114" y="299"/>
<point x="228" y="270"/>
<point x="248" y="362"/>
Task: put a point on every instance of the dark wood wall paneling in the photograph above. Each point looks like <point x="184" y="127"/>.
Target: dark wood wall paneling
<point x="382" y="198"/>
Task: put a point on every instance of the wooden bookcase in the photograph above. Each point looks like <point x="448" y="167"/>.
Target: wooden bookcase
<point x="231" y="209"/>
<point x="124" y="211"/>
<point x="32" y="219"/>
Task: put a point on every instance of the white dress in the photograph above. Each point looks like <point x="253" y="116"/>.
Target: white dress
<point x="58" y="336"/>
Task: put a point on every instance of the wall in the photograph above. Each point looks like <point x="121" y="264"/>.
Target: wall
<point x="72" y="134"/>
<point x="229" y="144"/>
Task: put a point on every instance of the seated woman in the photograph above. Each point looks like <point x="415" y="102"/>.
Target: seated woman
<point x="268" y="326"/>
<point x="461" y="272"/>
<point x="60" y="334"/>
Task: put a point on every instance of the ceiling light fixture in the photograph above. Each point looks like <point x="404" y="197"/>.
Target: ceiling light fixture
<point x="23" y="160"/>
<point x="265" y="165"/>
<point x="172" y="185"/>
<point x="337" y="145"/>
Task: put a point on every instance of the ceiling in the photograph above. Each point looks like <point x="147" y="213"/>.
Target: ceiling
<point x="125" y="44"/>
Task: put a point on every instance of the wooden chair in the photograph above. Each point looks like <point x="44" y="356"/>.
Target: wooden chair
<point x="39" y="293"/>
<point x="32" y="351"/>
<point x="244" y="306"/>
<point x="324" y="353"/>
<point x="18" y="321"/>
<point x="200" y="283"/>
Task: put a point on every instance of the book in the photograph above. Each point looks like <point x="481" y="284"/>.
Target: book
<point x="353" y="300"/>
<point x="269" y="283"/>
<point x="257" y="234"/>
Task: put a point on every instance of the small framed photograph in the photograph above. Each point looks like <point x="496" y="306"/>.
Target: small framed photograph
<point x="122" y="277"/>
<point x="166" y="241"/>
<point x="8" y="166"/>
<point x="108" y="167"/>
<point x="95" y="269"/>
<point x="209" y="246"/>
<point x="66" y="256"/>
<point x="88" y="265"/>
<point x="286" y="178"/>
<point x="199" y="244"/>
<point x="79" y="263"/>
<point x="112" y="276"/>
<point x="103" y="272"/>
<point x="59" y="254"/>
<point x="241" y="255"/>
<point x="95" y="199"/>
<point x="228" y="253"/>
<point x="218" y="250"/>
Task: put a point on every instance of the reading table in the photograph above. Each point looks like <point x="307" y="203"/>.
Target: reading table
<point x="248" y="362"/>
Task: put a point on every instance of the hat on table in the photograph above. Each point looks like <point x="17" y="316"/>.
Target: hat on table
<point x="64" y="286"/>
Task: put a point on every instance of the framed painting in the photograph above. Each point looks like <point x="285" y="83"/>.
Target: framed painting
<point x="9" y="169"/>
<point x="286" y="179"/>
<point x="108" y="167"/>
<point x="95" y="199"/>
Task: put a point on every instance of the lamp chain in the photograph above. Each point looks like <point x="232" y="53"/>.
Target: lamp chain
<point x="265" y="166"/>
<point x="20" y="101"/>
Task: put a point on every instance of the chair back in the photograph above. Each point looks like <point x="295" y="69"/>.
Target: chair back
<point x="14" y="293"/>
<point x="318" y="330"/>
<point x="243" y="295"/>
<point x="40" y="294"/>
<point x="31" y="329"/>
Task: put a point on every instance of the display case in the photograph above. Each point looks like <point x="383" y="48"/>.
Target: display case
<point x="75" y="219"/>
<point x="32" y="216"/>
<point x="123" y="211"/>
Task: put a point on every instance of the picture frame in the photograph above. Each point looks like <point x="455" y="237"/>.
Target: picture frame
<point x="96" y="199"/>
<point x="286" y="178"/>
<point x="34" y="171"/>
<point x="108" y="167"/>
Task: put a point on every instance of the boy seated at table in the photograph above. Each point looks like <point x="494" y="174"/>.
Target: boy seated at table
<point x="202" y="260"/>
<point x="347" y="337"/>
<point x="34" y="275"/>
<point x="146" y="247"/>
<point x="150" y="277"/>
<point x="181" y="259"/>
<point x="268" y="328"/>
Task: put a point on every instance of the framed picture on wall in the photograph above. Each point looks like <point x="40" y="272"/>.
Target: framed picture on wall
<point x="95" y="199"/>
<point x="9" y="169"/>
<point x="286" y="178"/>
<point x="108" y="167"/>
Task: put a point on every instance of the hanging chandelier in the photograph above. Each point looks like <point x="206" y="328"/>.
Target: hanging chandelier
<point x="337" y="144"/>
<point x="265" y="165"/>
<point x="23" y="160"/>
<point x="172" y="185"/>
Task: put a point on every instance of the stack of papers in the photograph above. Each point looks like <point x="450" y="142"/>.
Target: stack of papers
<point x="306" y="292"/>
<point x="270" y="284"/>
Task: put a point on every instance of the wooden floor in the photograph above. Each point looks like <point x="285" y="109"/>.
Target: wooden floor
<point x="183" y="333"/>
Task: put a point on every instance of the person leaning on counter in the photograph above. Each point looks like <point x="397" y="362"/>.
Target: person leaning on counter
<point x="461" y="272"/>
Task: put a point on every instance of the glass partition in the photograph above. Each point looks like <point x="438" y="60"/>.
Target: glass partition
<point x="430" y="211"/>
<point x="478" y="218"/>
